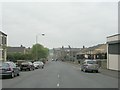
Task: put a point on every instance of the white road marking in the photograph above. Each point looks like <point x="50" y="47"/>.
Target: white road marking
<point x="58" y="75"/>
<point x="58" y="85"/>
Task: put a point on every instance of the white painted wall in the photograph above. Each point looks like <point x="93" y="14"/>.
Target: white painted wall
<point x="112" y="62"/>
<point x="119" y="62"/>
<point x="0" y="46"/>
<point x="0" y="39"/>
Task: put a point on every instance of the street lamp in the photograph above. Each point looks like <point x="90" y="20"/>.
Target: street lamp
<point x="37" y="43"/>
<point x="71" y="52"/>
<point x="37" y="37"/>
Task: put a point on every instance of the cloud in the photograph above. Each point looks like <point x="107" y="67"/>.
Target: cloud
<point x="74" y="24"/>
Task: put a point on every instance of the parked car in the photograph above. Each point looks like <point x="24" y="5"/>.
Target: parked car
<point x="27" y="66"/>
<point x="90" y="65"/>
<point x="53" y="59"/>
<point x="38" y="64"/>
<point x="42" y="65"/>
<point x="9" y="69"/>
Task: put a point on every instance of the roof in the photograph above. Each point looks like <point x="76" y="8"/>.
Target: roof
<point x="113" y="35"/>
<point x="93" y="48"/>
<point x="15" y="49"/>
<point x="65" y="49"/>
<point x="71" y="49"/>
<point x="3" y="33"/>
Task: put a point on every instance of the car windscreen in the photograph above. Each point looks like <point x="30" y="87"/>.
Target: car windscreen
<point x="91" y="62"/>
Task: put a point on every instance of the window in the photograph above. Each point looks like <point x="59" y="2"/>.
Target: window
<point x="12" y="65"/>
<point x="4" y="40"/>
<point x="91" y="62"/>
<point x="114" y="48"/>
<point x="2" y="53"/>
<point x="4" y="65"/>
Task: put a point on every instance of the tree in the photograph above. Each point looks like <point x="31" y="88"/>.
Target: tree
<point x="10" y="57"/>
<point x="38" y="51"/>
<point x="15" y="56"/>
<point x="18" y="56"/>
<point x="28" y="56"/>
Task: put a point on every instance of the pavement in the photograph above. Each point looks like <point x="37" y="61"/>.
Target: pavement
<point x="57" y="74"/>
<point x="110" y="73"/>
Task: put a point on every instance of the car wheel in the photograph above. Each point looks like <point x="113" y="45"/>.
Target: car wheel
<point x="18" y="74"/>
<point x="12" y="75"/>
<point x="81" y="69"/>
<point x="30" y="69"/>
<point x="97" y="71"/>
<point x="84" y="70"/>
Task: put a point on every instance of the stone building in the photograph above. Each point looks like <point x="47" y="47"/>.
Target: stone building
<point x="3" y="46"/>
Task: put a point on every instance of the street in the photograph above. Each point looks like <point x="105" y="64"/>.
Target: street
<point x="57" y="74"/>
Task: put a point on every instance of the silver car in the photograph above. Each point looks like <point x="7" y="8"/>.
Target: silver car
<point x="38" y="64"/>
<point x="90" y="65"/>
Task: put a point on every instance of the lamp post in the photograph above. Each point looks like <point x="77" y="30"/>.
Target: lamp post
<point x="37" y="43"/>
<point x="71" y="53"/>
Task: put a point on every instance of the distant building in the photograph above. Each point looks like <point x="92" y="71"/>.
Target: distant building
<point x="27" y="50"/>
<point x="20" y="49"/>
<point x="65" y="53"/>
<point x="95" y="52"/>
<point x="113" y="49"/>
<point x="3" y="46"/>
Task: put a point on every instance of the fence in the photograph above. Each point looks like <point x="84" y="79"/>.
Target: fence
<point x="103" y="63"/>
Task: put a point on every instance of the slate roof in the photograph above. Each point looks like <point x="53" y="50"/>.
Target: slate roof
<point x="3" y="33"/>
<point x="94" y="49"/>
<point x="15" y="49"/>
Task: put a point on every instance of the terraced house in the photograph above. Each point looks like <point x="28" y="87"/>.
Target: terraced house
<point x="3" y="46"/>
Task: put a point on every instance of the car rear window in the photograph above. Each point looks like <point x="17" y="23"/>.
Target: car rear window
<point x="36" y="62"/>
<point x="91" y="62"/>
<point x="13" y="65"/>
<point x="4" y="65"/>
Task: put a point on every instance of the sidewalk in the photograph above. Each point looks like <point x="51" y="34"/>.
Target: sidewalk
<point x="110" y="73"/>
<point x="107" y="72"/>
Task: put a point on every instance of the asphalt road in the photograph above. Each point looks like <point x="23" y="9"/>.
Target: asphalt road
<point x="60" y="75"/>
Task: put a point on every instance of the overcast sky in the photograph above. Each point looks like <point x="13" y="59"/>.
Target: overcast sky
<point x="75" y="24"/>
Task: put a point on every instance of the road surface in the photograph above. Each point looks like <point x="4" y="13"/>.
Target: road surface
<point x="60" y="75"/>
